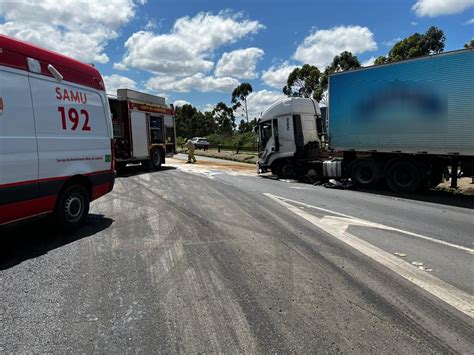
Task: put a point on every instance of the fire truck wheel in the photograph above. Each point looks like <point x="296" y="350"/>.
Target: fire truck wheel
<point x="155" y="161"/>
<point x="72" y="207"/>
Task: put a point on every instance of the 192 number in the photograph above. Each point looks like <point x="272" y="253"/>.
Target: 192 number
<point x="73" y="116"/>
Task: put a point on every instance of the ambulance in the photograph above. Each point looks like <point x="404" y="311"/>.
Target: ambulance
<point x="56" y="137"/>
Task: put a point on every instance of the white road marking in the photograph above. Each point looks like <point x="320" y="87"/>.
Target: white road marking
<point x="337" y="227"/>
<point x="362" y="222"/>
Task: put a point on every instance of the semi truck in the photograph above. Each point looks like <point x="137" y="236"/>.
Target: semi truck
<point x="144" y="129"/>
<point x="403" y="123"/>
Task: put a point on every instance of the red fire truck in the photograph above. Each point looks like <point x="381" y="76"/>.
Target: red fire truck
<point x="144" y="129"/>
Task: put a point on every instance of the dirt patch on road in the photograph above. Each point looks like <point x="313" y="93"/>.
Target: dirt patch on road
<point x="211" y="165"/>
<point x="465" y="186"/>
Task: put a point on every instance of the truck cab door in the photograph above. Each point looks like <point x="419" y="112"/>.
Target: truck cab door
<point x="267" y="139"/>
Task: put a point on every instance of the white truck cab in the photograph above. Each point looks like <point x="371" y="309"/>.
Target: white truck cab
<point x="280" y="135"/>
<point x="55" y="135"/>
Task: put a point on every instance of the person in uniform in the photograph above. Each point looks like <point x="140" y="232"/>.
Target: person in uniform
<point x="190" y="145"/>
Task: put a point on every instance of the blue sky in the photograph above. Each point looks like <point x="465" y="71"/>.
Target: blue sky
<point x="197" y="51"/>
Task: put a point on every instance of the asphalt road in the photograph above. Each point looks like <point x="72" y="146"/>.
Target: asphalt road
<point x="211" y="258"/>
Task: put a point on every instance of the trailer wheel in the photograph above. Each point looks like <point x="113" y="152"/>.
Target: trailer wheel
<point x="403" y="177"/>
<point x="365" y="173"/>
<point x="72" y="207"/>
<point x="156" y="160"/>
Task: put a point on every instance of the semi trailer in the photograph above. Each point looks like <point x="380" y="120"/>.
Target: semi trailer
<point x="401" y="123"/>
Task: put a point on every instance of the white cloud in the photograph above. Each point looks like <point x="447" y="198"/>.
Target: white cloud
<point x="188" y="46"/>
<point x="179" y="103"/>
<point x="433" y="8"/>
<point x="413" y="23"/>
<point x="198" y="82"/>
<point x="240" y="63"/>
<point x="277" y="76"/>
<point x="259" y="101"/>
<point x="320" y="47"/>
<point x="115" y="82"/>
<point x="82" y="34"/>
<point x="369" y="62"/>
<point x="469" y="22"/>
<point x="391" y="42"/>
<point x="207" y="108"/>
<point x="120" y="66"/>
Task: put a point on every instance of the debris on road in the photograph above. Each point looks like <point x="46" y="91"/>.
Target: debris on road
<point x="402" y="255"/>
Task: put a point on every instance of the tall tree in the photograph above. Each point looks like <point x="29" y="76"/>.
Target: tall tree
<point x="342" y="62"/>
<point x="245" y="127"/>
<point x="469" y="44"/>
<point x="224" y="117"/>
<point x="302" y="82"/>
<point x="184" y="120"/>
<point x="203" y="124"/>
<point x="239" y="98"/>
<point x="416" y="45"/>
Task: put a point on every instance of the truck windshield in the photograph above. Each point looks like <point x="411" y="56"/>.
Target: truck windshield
<point x="265" y="134"/>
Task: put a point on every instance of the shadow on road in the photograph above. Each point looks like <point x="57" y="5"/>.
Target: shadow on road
<point x="135" y="170"/>
<point x="431" y="196"/>
<point x="34" y="238"/>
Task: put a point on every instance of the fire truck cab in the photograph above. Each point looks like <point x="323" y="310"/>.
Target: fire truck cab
<point x="144" y="129"/>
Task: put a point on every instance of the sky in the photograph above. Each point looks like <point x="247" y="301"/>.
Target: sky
<point x="194" y="51"/>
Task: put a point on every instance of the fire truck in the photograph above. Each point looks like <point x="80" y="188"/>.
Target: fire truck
<point x="144" y="129"/>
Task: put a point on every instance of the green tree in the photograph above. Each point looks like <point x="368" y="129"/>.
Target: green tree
<point x="416" y="45"/>
<point x="203" y="124"/>
<point x="469" y="44"/>
<point x="302" y="82"/>
<point x="381" y="60"/>
<point x="224" y="118"/>
<point x="239" y="98"/>
<point x="245" y="127"/>
<point x="184" y="120"/>
<point x="342" y="62"/>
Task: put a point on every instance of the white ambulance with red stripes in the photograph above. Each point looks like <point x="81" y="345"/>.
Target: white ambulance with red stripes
<point x="55" y="135"/>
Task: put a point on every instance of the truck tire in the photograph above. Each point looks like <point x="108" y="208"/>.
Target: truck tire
<point x="72" y="207"/>
<point x="156" y="159"/>
<point x="285" y="170"/>
<point x="365" y="173"/>
<point x="403" y="177"/>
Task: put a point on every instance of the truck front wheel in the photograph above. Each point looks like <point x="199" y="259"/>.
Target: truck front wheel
<point x="403" y="177"/>
<point x="365" y="173"/>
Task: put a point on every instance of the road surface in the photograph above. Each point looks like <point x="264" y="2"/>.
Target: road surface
<point x="211" y="258"/>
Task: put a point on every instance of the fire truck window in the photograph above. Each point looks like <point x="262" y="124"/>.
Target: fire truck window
<point x="156" y="130"/>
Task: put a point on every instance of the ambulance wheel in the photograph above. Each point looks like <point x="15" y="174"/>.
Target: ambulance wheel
<point x="155" y="161"/>
<point x="72" y="207"/>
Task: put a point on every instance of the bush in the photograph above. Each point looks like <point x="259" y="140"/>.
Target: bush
<point x="247" y="140"/>
<point x="180" y="141"/>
